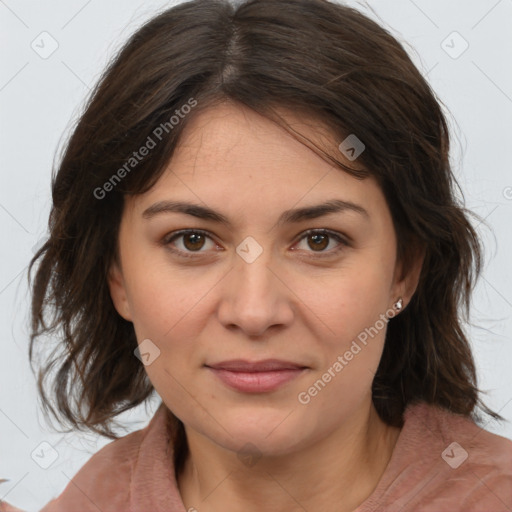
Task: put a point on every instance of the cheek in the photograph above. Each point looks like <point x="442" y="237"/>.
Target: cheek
<point x="164" y="309"/>
<point x="161" y="296"/>
<point x="349" y="300"/>
<point x="351" y="332"/>
<point x="168" y="308"/>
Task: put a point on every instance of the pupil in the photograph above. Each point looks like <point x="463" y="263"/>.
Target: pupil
<point x="319" y="241"/>
<point x="196" y="239"/>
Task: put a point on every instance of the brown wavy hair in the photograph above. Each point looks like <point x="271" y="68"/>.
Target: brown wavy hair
<point x="338" y="68"/>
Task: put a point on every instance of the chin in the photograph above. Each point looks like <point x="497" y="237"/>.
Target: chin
<point x="270" y="434"/>
<point x="248" y="443"/>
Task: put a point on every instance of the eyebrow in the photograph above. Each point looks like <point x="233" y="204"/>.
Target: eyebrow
<point x="289" y="216"/>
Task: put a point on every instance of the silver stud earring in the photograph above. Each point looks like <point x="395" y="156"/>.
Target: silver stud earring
<point x="398" y="304"/>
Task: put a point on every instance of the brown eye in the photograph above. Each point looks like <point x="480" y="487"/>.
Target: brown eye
<point x="187" y="242"/>
<point x="318" y="241"/>
<point x="322" y="242"/>
<point x="193" y="241"/>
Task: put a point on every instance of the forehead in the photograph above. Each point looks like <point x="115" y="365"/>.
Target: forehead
<point x="233" y="135"/>
<point x="229" y="155"/>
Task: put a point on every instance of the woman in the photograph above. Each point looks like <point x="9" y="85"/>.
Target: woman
<point x="255" y="217"/>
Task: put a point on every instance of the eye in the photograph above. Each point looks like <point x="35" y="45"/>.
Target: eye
<point x="190" y="241"/>
<point x="319" y="239"/>
<point x="187" y="242"/>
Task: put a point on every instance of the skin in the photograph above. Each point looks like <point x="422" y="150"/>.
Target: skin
<point x="290" y="303"/>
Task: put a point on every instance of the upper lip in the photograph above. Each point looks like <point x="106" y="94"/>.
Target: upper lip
<point x="267" y="365"/>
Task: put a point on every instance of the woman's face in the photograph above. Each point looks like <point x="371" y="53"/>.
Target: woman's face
<point x="256" y="286"/>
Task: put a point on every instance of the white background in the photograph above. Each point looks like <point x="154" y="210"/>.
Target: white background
<point x="39" y="98"/>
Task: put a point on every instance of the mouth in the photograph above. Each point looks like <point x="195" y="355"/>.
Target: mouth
<point x="256" y="377"/>
<point x="267" y="365"/>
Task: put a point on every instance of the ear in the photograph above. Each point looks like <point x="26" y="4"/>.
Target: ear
<point x="407" y="276"/>
<point x="117" y="289"/>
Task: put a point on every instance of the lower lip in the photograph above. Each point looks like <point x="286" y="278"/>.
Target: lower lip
<point x="256" y="382"/>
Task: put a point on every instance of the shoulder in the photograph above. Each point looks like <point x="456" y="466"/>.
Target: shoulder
<point x="440" y="424"/>
<point x="475" y="464"/>
<point x="464" y="443"/>
<point x="5" y="507"/>
<point x="102" y="477"/>
<point x="445" y="462"/>
<point x="98" y="481"/>
<point x="105" y="481"/>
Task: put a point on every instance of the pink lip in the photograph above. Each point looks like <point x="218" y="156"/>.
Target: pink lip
<point x="256" y="377"/>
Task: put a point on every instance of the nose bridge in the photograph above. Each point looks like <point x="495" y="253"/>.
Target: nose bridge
<point x="255" y="276"/>
<point x="254" y="298"/>
<point x="256" y="287"/>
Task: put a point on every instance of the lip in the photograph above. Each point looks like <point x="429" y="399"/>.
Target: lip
<point x="257" y="376"/>
<point x="266" y="365"/>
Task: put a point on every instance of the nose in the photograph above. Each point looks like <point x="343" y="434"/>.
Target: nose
<point x="255" y="298"/>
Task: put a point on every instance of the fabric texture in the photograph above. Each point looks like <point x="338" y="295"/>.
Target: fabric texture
<point x="442" y="462"/>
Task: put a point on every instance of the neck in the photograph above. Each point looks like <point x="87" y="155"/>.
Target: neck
<point x="336" y="473"/>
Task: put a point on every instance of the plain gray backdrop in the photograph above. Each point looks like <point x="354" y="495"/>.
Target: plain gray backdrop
<point x="53" y="52"/>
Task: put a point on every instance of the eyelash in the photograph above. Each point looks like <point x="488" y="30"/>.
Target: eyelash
<point x="191" y="255"/>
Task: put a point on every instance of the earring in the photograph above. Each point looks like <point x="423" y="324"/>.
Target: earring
<point x="398" y="304"/>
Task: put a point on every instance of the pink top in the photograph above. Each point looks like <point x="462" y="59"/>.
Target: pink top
<point x="442" y="462"/>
